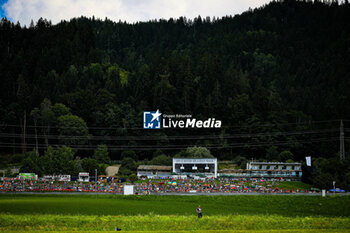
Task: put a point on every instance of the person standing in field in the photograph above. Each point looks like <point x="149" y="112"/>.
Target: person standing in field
<point x="199" y="211"/>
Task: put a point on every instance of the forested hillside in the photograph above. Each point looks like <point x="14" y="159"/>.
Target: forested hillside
<point x="277" y="77"/>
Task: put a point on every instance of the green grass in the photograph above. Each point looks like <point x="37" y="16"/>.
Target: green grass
<point x="167" y="223"/>
<point x="63" y="213"/>
<point x="175" y="205"/>
<point x="212" y="231"/>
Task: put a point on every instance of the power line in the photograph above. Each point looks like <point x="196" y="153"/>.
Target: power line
<point x="165" y="137"/>
<point x="141" y="128"/>
<point x="176" y="147"/>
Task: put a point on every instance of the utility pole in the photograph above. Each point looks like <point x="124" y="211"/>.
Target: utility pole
<point x="96" y="180"/>
<point x="342" y="148"/>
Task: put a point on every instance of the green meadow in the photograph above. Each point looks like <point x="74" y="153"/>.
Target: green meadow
<point x="89" y="213"/>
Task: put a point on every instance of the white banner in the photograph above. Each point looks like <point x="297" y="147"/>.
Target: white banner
<point x="308" y="161"/>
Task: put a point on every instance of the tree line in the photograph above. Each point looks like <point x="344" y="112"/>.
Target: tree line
<point x="276" y="76"/>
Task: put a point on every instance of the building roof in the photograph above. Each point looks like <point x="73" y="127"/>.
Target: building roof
<point x="274" y="163"/>
<point x="231" y="171"/>
<point x="154" y="168"/>
<point x="195" y="158"/>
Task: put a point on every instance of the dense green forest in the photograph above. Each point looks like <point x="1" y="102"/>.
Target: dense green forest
<point x="277" y="77"/>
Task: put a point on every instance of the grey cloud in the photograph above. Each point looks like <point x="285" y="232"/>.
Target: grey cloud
<point x="128" y="10"/>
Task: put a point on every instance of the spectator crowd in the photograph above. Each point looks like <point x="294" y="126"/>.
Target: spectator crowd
<point x="151" y="186"/>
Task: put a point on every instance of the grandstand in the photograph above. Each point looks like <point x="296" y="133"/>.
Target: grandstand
<point x="196" y="166"/>
<point x="275" y="170"/>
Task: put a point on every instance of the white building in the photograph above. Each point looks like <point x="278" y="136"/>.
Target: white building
<point x="196" y="166"/>
<point x="274" y="170"/>
<point x="83" y="177"/>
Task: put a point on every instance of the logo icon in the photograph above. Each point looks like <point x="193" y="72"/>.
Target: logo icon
<point x="151" y="120"/>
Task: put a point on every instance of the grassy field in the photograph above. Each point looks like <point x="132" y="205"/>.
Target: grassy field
<point x="209" y="231"/>
<point x="37" y="213"/>
<point x="168" y="223"/>
<point x="289" y="206"/>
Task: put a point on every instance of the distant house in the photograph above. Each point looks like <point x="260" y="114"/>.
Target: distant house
<point x="274" y="170"/>
<point x="13" y="170"/>
<point x="83" y="177"/>
<point x="152" y="171"/>
<point x="265" y="170"/>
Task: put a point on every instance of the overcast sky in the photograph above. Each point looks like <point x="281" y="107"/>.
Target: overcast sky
<point x="129" y="10"/>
